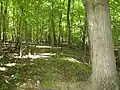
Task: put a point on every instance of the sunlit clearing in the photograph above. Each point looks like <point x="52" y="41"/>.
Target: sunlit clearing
<point x="71" y="59"/>
<point x="2" y="68"/>
<point x="15" y="54"/>
<point x="35" y="56"/>
<point x="47" y="54"/>
<point x="47" y="47"/>
<point x="10" y="64"/>
<point x="1" y="57"/>
<point x="43" y="46"/>
<point x="31" y="56"/>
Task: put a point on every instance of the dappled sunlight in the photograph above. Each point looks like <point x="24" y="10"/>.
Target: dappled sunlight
<point x="47" y="44"/>
<point x="47" y="47"/>
<point x="35" y="55"/>
<point x="71" y="59"/>
<point x="47" y="54"/>
<point x="1" y="56"/>
<point x="43" y="46"/>
<point x="10" y="64"/>
<point x="31" y="56"/>
<point x="2" y="68"/>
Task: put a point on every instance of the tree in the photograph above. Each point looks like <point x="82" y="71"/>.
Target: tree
<point x="68" y="24"/>
<point x="119" y="50"/>
<point x="52" y="25"/>
<point x="102" y="54"/>
<point x="5" y="18"/>
<point x="0" y="18"/>
<point x="60" y="36"/>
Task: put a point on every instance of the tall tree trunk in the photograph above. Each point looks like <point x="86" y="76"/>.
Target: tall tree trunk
<point x="26" y="31"/>
<point x="0" y="18"/>
<point x="119" y="51"/>
<point x="26" y="26"/>
<point x="5" y="22"/>
<point x="72" y="21"/>
<point x="85" y="34"/>
<point x="60" y="29"/>
<point x="60" y="36"/>
<point x="53" y="26"/>
<point x="41" y="32"/>
<point x="68" y="25"/>
<point x="102" y="54"/>
<point x="13" y="31"/>
<point x="37" y="30"/>
<point x="17" y="26"/>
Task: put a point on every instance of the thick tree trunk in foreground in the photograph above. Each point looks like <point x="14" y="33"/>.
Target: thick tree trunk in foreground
<point x="119" y="51"/>
<point x="102" y="55"/>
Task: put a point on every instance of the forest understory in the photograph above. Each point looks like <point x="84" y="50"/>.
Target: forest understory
<point x="42" y="68"/>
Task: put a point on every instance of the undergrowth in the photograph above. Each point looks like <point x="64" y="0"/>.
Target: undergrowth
<point x="46" y="72"/>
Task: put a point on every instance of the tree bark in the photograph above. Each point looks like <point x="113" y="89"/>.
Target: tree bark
<point x="52" y="25"/>
<point x="5" y="22"/>
<point x="13" y="28"/>
<point x="0" y="18"/>
<point x="119" y="51"/>
<point x="60" y="34"/>
<point x="102" y="54"/>
<point x="68" y="25"/>
<point x="85" y="29"/>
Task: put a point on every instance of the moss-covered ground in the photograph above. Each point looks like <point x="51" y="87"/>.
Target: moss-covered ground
<point x="52" y="73"/>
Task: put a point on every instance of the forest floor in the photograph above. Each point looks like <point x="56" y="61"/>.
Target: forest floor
<point x="44" y="68"/>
